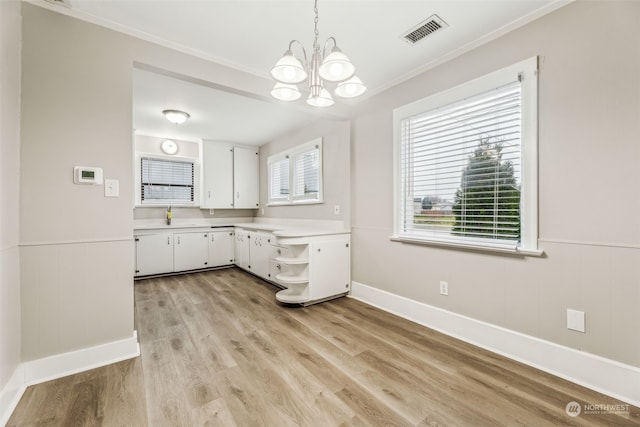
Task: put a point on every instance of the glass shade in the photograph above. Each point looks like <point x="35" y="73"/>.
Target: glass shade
<point x="289" y="69"/>
<point x="285" y="92"/>
<point x="175" y="116"/>
<point x="350" y="88"/>
<point x="322" y="100"/>
<point x="336" y="67"/>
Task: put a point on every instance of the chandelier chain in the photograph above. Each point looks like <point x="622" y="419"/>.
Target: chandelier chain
<point x="315" y="22"/>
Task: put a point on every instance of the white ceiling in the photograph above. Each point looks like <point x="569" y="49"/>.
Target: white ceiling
<point x="215" y="114"/>
<point x="252" y="35"/>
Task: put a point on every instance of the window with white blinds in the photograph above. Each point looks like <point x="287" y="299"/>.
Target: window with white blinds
<point x="295" y="176"/>
<point x="306" y="174"/>
<point x="279" y="179"/>
<point x="167" y="181"/>
<point x="462" y="169"/>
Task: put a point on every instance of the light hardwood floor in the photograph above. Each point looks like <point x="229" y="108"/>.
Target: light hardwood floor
<point x="217" y="350"/>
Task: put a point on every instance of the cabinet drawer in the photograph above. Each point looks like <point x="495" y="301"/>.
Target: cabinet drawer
<point x="275" y="269"/>
<point x="277" y="251"/>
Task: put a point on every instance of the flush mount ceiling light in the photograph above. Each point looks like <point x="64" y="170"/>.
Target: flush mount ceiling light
<point x="169" y="147"/>
<point x="176" y="117"/>
<point x="334" y="68"/>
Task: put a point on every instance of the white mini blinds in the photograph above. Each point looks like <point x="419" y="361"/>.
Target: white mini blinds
<point x="279" y="180"/>
<point x="167" y="181"/>
<point x="306" y="174"/>
<point x="462" y="169"/>
<point x="295" y="176"/>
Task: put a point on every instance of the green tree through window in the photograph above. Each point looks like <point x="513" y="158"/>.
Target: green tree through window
<point x="487" y="204"/>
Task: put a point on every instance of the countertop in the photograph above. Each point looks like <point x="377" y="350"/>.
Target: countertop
<point x="278" y="230"/>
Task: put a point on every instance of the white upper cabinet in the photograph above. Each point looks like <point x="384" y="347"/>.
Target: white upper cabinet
<point x="230" y="176"/>
<point x="217" y="183"/>
<point x="245" y="177"/>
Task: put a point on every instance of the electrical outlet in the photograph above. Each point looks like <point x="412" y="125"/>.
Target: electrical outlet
<point x="444" y="288"/>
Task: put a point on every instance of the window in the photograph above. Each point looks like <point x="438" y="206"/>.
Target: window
<point x="166" y="181"/>
<point x="466" y="164"/>
<point x="295" y="176"/>
<point x="279" y="179"/>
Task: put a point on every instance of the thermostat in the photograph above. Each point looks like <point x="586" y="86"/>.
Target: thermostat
<point x="87" y="175"/>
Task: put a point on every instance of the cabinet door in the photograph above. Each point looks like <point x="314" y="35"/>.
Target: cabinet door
<point x="154" y="254"/>
<point x="217" y="167"/>
<point x="245" y="178"/>
<point x="242" y="249"/>
<point x="330" y="268"/>
<point x="221" y="247"/>
<point x="260" y="254"/>
<point x="191" y="251"/>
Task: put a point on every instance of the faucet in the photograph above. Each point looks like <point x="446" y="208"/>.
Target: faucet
<point x="169" y="215"/>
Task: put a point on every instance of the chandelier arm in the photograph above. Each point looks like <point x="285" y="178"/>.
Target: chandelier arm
<point x="304" y="52"/>
<point x="324" y="48"/>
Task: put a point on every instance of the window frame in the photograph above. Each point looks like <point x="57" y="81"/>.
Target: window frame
<point x="279" y="199"/>
<point x="528" y="244"/>
<point x="292" y="154"/>
<point x="139" y="203"/>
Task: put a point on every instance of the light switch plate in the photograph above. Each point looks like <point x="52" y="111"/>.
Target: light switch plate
<point x="111" y="188"/>
<point x="575" y="320"/>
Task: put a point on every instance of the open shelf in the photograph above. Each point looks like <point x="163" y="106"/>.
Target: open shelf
<point x="292" y="260"/>
<point x="288" y="279"/>
<point x="289" y="297"/>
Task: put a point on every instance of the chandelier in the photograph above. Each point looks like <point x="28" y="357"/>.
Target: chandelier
<point x="335" y="67"/>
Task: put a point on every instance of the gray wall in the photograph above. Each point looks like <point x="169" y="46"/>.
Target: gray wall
<point x="77" y="247"/>
<point x="589" y="227"/>
<point x="336" y="147"/>
<point x="77" y="110"/>
<point x="9" y="193"/>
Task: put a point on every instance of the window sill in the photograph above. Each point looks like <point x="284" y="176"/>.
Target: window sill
<point x="296" y="203"/>
<point x="164" y="205"/>
<point x="470" y="247"/>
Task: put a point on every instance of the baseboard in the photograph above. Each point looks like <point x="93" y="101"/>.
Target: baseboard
<point x="61" y="365"/>
<point x="606" y="376"/>
<point x="11" y="393"/>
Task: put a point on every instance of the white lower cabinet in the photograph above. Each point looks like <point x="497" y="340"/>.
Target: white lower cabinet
<point x="172" y="252"/>
<point x="260" y="254"/>
<point x="221" y="247"/>
<point x="242" y="249"/>
<point x="154" y="254"/>
<point x="315" y="269"/>
<point x="190" y="251"/>
<point x="253" y="252"/>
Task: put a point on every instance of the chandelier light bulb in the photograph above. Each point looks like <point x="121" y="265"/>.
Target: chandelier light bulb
<point x="289" y="69"/>
<point x="350" y="88"/>
<point x="322" y="100"/>
<point x="285" y="92"/>
<point x="336" y="67"/>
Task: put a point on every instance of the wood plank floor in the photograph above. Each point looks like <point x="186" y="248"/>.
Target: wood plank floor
<point x="217" y="350"/>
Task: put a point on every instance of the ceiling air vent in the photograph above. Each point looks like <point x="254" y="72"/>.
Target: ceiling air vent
<point x="424" y="29"/>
